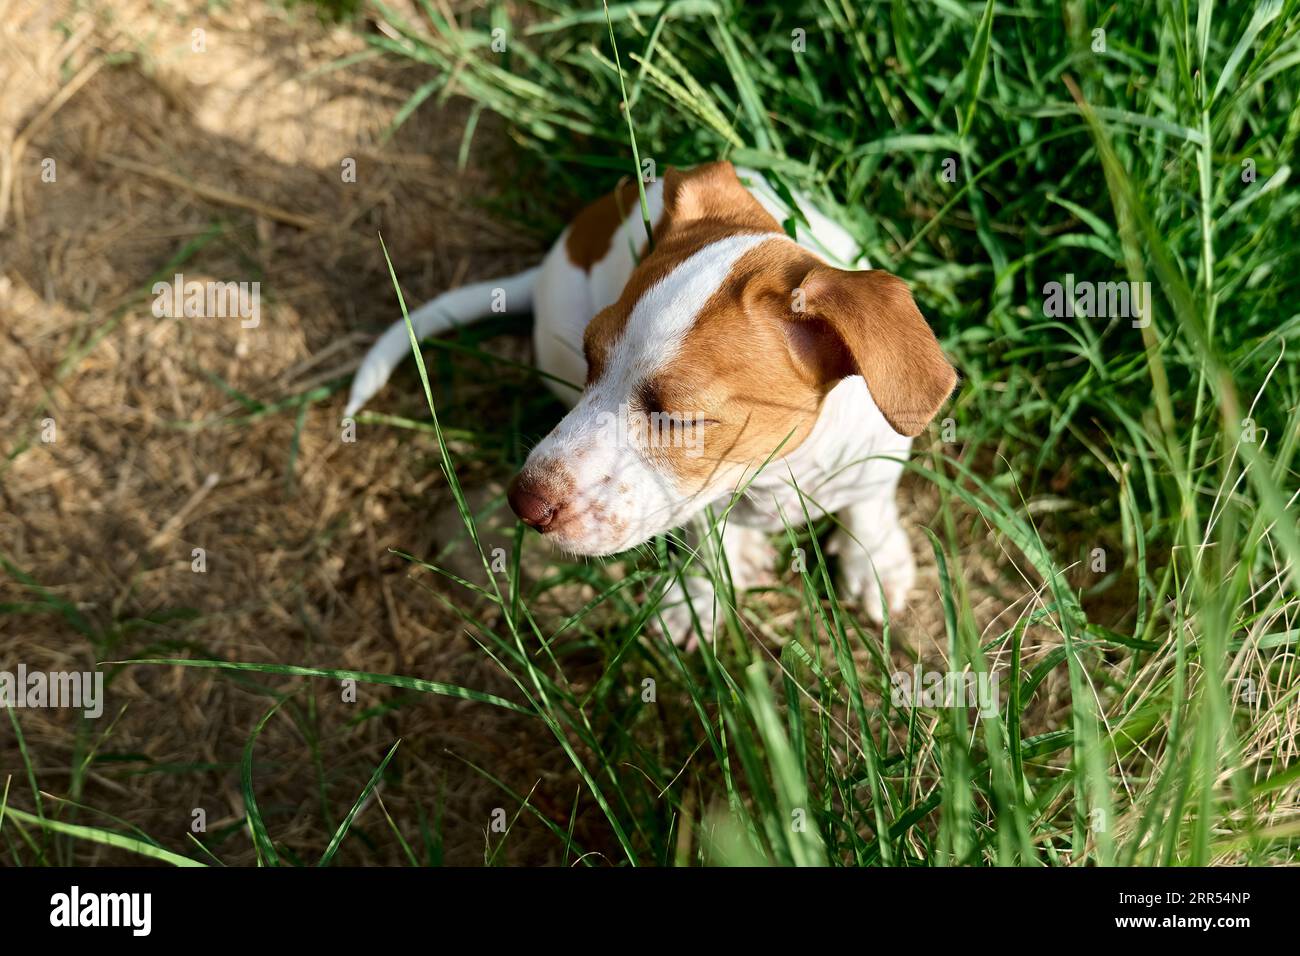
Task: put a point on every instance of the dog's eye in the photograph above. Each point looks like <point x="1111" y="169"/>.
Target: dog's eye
<point x="647" y="399"/>
<point x="686" y="420"/>
<point x="650" y="403"/>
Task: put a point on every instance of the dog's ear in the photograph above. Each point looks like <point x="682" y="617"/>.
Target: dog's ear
<point x="713" y="191"/>
<point x="866" y="323"/>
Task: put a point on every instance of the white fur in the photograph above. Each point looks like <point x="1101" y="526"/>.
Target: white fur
<point x="568" y="298"/>
<point x="511" y="295"/>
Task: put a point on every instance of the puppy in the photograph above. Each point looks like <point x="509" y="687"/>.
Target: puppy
<point x="721" y="356"/>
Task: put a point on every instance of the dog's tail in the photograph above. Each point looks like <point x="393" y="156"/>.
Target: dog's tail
<point x="447" y="311"/>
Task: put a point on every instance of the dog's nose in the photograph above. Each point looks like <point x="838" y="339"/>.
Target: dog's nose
<point x="527" y="501"/>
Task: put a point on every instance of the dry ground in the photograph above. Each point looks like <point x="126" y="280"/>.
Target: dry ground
<point x="157" y="146"/>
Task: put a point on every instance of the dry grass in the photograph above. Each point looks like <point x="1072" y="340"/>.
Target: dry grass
<point x="298" y="558"/>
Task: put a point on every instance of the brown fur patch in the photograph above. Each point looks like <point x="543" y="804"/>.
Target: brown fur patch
<point x="736" y="369"/>
<point x="887" y="339"/>
<point x="701" y="206"/>
<point x="592" y="232"/>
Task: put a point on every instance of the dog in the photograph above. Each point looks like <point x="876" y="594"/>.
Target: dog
<point x="713" y="356"/>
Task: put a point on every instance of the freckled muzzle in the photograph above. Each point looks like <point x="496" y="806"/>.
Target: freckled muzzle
<point x="595" y="486"/>
<point x="590" y="517"/>
<point x="546" y="496"/>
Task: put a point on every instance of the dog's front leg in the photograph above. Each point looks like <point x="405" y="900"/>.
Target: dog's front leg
<point x="749" y="560"/>
<point x="874" y="553"/>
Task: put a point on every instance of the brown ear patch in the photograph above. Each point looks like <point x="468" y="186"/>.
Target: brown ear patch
<point x="710" y="193"/>
<point x="886" y="340"/>
<point x="714" y="192"/>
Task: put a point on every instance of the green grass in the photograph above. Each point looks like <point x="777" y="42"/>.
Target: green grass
<point x="1171" y="447"/>
<point x="1107" y="155"/>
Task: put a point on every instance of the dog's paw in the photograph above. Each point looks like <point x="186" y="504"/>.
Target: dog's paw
<point x="674" y="619"/>
<point x="751" y="557"/>
<point x="891" y="561"/>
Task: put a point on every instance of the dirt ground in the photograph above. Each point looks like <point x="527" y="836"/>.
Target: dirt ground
<point x="156" y="147"/>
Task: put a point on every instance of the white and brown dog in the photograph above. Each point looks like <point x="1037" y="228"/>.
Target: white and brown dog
<point x="723" y="355"/>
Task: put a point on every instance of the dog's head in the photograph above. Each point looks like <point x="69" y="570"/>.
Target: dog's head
<point x="718" y="354"/>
